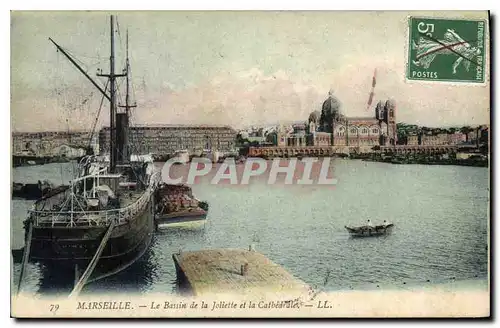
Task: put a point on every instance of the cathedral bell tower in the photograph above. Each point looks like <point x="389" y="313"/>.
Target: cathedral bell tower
<point x="390" y="112"/>
<point x="381" y="116"/>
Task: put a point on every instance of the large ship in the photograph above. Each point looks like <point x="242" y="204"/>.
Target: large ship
<point x="103" y="221"/>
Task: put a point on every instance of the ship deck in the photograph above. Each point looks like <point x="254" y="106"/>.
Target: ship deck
<point x="219" y="271"/>
<point x="129" y="197"/>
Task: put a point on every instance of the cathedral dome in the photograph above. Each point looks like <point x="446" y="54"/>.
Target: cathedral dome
<point x="314" y="117"/>
<point x="331" y="106"/>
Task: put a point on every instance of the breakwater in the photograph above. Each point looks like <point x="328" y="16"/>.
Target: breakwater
<point x="424" y="159"/>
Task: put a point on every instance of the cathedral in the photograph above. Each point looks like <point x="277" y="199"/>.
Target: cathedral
<point x="354" y="131"/>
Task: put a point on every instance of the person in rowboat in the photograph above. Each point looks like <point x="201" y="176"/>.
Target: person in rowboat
<point x="369" y="224"/>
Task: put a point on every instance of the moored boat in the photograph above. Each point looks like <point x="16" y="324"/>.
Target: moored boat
<point x="177" y="206"/>
<point x="184" y="218"/>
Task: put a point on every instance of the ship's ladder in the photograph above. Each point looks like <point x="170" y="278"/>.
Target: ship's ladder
<point x="26" y="255"/>
<point x="92" y="264"/>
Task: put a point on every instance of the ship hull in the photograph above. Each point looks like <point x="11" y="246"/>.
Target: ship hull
<point x="64" y="249"/>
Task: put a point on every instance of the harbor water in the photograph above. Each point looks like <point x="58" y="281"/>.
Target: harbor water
<point x="440" y="215"/>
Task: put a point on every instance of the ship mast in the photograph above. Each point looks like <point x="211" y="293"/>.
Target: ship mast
<point x="118" y="122"/>
<point x="125" y="116"/>
<point x="112" y="101"/>
<point x="114" y="124"/>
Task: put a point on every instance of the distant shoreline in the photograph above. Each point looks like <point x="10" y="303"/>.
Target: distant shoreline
<point x="461" y="162"/>
<point x="475" y="162"/>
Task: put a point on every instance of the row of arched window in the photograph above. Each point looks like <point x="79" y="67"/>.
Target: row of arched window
<point x="354" y="131"/>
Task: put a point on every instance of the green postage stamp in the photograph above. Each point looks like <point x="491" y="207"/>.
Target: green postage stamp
<point x="447" y="50"/>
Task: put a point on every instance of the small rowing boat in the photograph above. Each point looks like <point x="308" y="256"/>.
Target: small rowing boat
<point x="370" y="230"/>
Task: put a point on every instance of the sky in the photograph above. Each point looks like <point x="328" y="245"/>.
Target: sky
<point x="231" y="68"/>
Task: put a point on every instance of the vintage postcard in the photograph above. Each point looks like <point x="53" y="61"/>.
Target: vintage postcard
<point x="257" y="164"/>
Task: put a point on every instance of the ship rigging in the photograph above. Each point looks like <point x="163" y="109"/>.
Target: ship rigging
<point x="103" y="221"/>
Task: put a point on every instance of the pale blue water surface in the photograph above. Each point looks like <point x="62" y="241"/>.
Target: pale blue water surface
<point x="440" y="215"/>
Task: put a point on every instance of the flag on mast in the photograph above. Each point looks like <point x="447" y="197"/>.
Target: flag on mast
<point x="372" y="93"/>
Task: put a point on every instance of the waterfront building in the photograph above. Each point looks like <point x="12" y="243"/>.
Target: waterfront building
<point x="440" y="139"/>
<point x="298" y="137"/>
<point x="457" y="138"/>
<point x="434" y="140"/>
<point x="478" y="134"/>
<point x="318" y="139"/>
<point x="413" y="140"/>
<point x="166" y="139"/>
<point x="49" y="142"/>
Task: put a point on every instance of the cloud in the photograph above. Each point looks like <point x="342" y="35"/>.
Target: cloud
<point x="246" y="97"/>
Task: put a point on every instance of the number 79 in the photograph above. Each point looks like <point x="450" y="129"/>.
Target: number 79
<point x="54" y="308"/>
